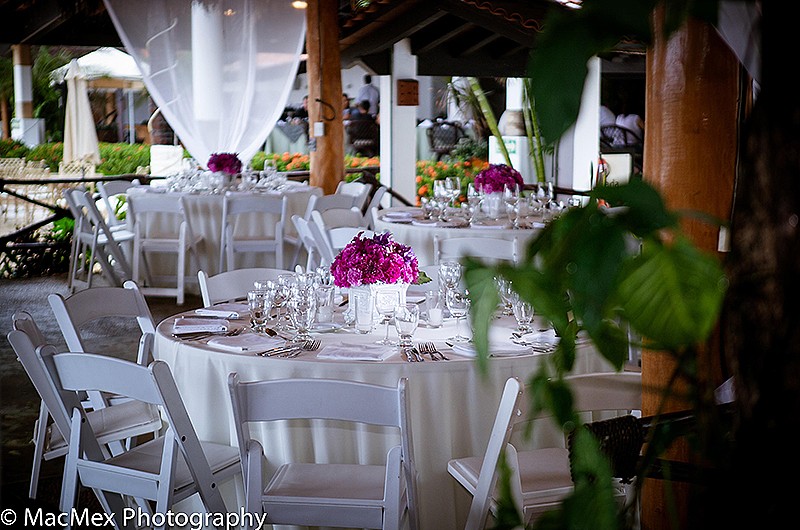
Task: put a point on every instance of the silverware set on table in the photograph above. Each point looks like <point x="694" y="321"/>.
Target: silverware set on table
<point x="291" y="350"/>
<point x="200" y="335"/>
<point x="415" y="355"/>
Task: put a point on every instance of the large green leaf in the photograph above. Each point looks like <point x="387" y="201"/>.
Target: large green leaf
<point x="483" y="303"/>
<point x="672" y="294"/>
<point x="644" y="210"/>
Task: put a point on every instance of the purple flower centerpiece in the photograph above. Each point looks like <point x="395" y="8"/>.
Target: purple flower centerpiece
<point x="496" y="177"/>
<point x="374" y="260"/>
<point x="227" y="163"/>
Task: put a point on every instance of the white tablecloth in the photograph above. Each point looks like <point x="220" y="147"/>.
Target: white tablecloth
<point x="205" y="214"/>
<point x="452" y="406"/>
<point x="420" y="238"/>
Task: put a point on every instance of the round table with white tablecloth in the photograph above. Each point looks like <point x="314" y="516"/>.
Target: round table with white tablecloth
<point x="419" y="233"/>
<point x="453" y="404"/>
<point x="205" y="213"/>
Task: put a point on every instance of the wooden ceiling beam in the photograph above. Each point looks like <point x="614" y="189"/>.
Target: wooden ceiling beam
<point x="489" y="21"/>
<point x="478" y="45"/>
<point x="444" y="37"/>
<point x="383" y="36"/>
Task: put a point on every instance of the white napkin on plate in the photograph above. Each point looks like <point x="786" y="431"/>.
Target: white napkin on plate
<point x="490" y="225"/>
<point x="356" y="352"/>
<point x="401" y="215"/>
<point x="245" y="342"/>
<point x="509" y="349"/>
<point x="230" y="310"/>
<point x="194" y="325"/>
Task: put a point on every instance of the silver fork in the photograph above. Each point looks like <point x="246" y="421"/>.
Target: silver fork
<point x="424" y="347"/>
<point x="431" y="350"/>
<point x="309" y="345"/>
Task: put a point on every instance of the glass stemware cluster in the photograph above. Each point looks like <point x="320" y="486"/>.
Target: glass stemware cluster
<point x="456" y="299"/>
<point x="297" y="299"/>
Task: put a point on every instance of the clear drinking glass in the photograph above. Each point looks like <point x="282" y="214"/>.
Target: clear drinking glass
<point x="406" y="319"/>
<point x="458" y="305"/>
<point x="303" y="309"/>
<point x="433" y="305"/>
<point x="453" y="187"/>
<point x="449" y="273"/>
<point x="324" y="295"/>
<point x="505" y="291"/>
<point x="363" y="310"/>
<point x="260" y="304"/>
<point x="523" y="312"/>
<point x="385" y="303"/>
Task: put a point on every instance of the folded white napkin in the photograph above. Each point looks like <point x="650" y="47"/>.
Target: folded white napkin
<point x="424" y="222"/>
<point x="355" y="352"/>
<point x="506" y="349"/>
<point x="414" y="298"/>
<point x="194" y="325"/>
<point x="230" y="310"/>
<point x="245" y="342"/>
<point x="490" y="225"/>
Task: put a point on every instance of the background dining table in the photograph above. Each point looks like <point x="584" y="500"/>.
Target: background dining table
<point x="205" y="213"/>
<point x="453" y="402"/>
<point x="419" y="233"/>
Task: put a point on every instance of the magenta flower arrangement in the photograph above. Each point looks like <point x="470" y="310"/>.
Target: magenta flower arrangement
<point x="377" y="259"/>
<point x="496" y="177"/>
<point x="225" y="162"/>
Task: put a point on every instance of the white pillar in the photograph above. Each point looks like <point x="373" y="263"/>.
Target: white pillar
<point x="207" y="65"/>
<point x="398" y="126"/>
<point x="24" y="126"/>
<point x="580" y="146"/>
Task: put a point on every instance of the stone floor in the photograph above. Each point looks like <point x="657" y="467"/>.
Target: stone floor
<point x="19" y="402"/>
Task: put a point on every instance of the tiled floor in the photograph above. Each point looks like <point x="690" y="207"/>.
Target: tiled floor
<point x="19" y="402"/>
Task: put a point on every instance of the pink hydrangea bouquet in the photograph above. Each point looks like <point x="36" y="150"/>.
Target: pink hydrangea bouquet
<point x="225" y="162"/>
<point x="376" y="259"/>
<point x="496" y="177"/>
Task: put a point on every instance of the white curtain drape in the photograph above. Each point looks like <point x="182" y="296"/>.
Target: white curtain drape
<point x="219" y="70"/>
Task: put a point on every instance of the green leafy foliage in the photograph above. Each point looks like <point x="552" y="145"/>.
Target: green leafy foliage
<point x="12" y="148"/>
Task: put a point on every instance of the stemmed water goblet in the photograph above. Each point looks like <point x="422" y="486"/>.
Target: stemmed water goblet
<point x="441" y="196"/>
<point x="505" y="290"/>
<point x="303" y="309"/>
<point x="385" y="303"/>
<point x="458" y="305"/>
<point x="523" y="312"/>
<point x="449" y="274"/>
<point x="406" y="320"/>
<point x="453" y="187"/>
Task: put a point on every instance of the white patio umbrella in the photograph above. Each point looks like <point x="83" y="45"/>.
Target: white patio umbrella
<point x="80" y="135"/>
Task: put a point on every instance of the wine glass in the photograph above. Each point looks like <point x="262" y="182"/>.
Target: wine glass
<point x="406" y="320"/>
<point x="505" y="290"/>
<point x="441" y="195"/>
<point x="523" y="312"/>
<point x="385" y="303"/>
<point x="449" y="274"/>
<point x="453" y="187"/>
<point x="458" y="305"/>
<point x="303" y="309"/>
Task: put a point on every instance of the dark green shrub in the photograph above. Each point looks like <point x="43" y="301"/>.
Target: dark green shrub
<point x="12" y="148"/>
<point x="52" y="154"/>
<point x="123" y="159"/>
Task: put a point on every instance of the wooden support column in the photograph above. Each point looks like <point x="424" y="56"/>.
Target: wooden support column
<point x="690" y="156"/>
<point x="325" y="94"/>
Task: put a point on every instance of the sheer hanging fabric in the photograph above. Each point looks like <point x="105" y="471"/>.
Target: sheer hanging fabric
<point x="220" y="71"/>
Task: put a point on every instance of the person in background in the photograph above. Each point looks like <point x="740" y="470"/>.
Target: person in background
<point x="607" y="116"/>
<point x="370" y="93"/>
<point x="346" y="110"/>
<point x="362" y="111"/>
<point x="302" y="112"/>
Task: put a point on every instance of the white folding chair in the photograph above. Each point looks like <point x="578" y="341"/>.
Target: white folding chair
<point x="165" y="470"/>
<point x="105" y="244"/>
<point x="359" y="190"/>
<point x="489" y="249"/>
<point x="122" y="422"/>
<point x="78" y="313"/>
<point x="540" y="478"/>
<point x="162" y="226"/>
<point x="244" y="217"/>
<point x="315" y="255"/>
<point x="116" y="191"/>
<point x="372" y="208"/>
<point x="327" y="494"/>
<point x="232" y="285"/>
<point x="336" y="217"/>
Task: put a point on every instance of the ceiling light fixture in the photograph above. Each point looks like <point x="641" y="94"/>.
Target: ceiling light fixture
<point x="299" y="4"/>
